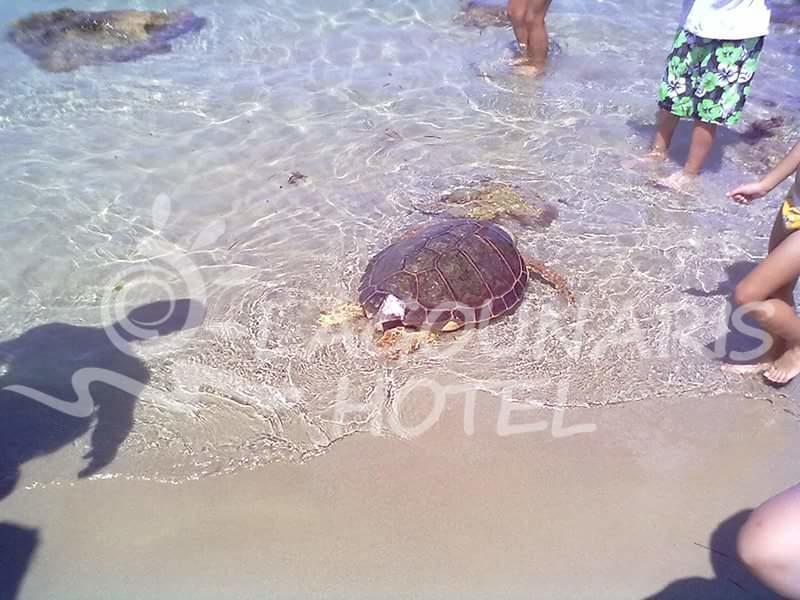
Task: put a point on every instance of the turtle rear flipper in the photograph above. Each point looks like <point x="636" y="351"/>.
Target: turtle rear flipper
<point x="551" y="277"/>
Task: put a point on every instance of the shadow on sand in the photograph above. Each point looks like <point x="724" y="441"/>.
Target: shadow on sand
<point x="58" y="382"/>
<point x="17" y="547"/>
<point x="732" y="581"/>
<point x="743" y="337"/>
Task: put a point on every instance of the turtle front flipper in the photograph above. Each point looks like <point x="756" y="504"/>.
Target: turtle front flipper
<point x="346" y="313"/>
<point x="554" y="278"/>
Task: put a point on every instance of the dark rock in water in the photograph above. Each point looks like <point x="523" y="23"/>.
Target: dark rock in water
<point x="762" y="128"/>
<point x="295" y="176"/>
<point x="66" y="39"/>
<point x="483" y="14"/>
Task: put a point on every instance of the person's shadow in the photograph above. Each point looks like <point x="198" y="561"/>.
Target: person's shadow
<point x="741" y="341"/>
<point x="17" y="547"/>
<point x="732" y="581"/>
<point x="59" y="380"/>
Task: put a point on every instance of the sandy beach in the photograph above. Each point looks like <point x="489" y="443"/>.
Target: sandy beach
<point x="254" y="169"/>
<point x="644" y="506"/>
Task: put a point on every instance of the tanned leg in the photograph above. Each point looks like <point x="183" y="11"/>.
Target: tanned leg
<point x="767" y="294"/>
<point x="702" y="141"/>
<point x="748" y="290"/>
<point x="769" y="543"/>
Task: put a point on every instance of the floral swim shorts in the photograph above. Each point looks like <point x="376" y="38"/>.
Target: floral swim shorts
<point x="709" y="80"/>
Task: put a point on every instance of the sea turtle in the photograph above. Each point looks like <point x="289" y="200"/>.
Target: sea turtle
<point x="65" y="39"/>
<point x="443" y="277"/>
<point x="495" y="199"/>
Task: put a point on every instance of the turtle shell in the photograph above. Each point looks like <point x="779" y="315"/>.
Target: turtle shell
<point x="461" y="272"/>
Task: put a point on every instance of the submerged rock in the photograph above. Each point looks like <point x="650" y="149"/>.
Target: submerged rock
<point x="66" y="39"/>
<point x="482" y="14"/>
<point x="762" y="128"/>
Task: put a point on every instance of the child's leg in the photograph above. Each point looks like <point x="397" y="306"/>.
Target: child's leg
<point x="516" y="13"/>
<point x="665" y="127"/>
<point x="702" y="142"/>
<point x="786" y="293"/>
<point x="767" y="294"/>
<point x="769" y="543"/>
<point x="675" y="98"/>
<point x="749" y="289"/>
<point x="538" y="40"/>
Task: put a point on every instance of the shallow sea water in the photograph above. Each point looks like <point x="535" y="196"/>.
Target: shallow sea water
<point x="168" y="178"/>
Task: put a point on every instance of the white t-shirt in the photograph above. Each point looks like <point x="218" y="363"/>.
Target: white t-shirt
<point x="726" y="19"/>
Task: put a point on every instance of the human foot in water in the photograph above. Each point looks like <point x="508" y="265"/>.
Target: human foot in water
<point x="786" y="368"/>
<point x="523" y="66"/>
<point x="760" y="363"/>
<point x="678" y="181"/>
<point x="652" y="158"/>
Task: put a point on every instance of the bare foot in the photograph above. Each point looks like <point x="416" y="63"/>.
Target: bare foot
<point x="651" y="158"/>
<point x="528" y="70"/>
<point x="678" y="181"/>
<point x="758" y="364"/>
<point x="520" y="59"/>
<point x="747" y="368"/>
<point x="522" y="65"/>
<point x="786" y="368"/>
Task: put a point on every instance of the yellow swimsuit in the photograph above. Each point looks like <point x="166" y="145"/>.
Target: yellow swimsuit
<point x="791" y="209"/>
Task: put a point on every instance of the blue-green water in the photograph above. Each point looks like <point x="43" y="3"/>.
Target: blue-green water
<point x="168" y="177"/>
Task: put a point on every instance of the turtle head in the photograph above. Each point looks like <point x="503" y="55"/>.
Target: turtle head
<point x="390" y="315"/>
<point x="509" y="233"/>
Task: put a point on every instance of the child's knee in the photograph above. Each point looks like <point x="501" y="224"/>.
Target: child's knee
<point x="534" y="19"/>
<point x="517" y="12"/>
<point x="760" y="546"/>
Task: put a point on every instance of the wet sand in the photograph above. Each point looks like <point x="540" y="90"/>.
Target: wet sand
<point x="626" y="511"/>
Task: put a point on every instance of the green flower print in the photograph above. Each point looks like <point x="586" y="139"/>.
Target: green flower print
<point x="678" y="66"/>
<point x="683" y="107"/>
<point x="730" y="97"/>
<point x="728" y="73"/>
<point x="708" y="83"/>
<point x="729" y="54"/>
<point x="708" y="79"/>
<point x="680" y="40"/>
<point x="676" y="86"/>
<point x="734" y="118"/>
<point x="698" y="55"/>
<point x="748" y="69"/>
<point x="663" y="91"/>
<point x="708" y="110"/>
